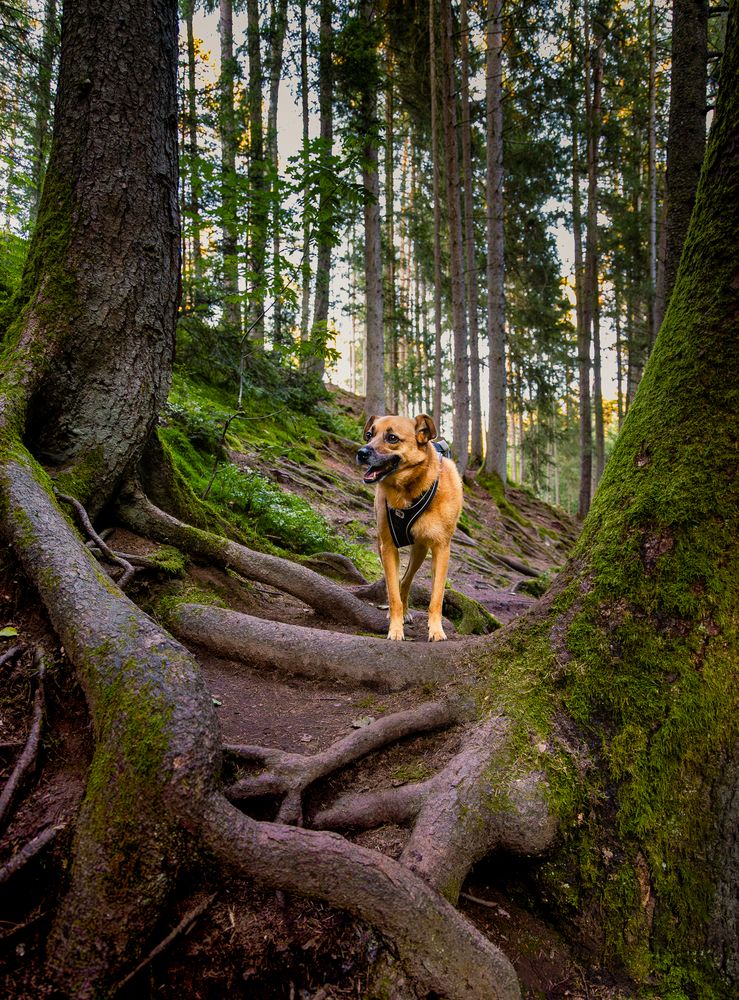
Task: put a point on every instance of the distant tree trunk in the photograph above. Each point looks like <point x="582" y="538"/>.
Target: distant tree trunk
<point x="686" y="140"/>
<point x="435" y="167"/>
<point x="42" y="110"/>
<point x="476" y="442"/>
<point x="278" y="29"/>
<point x="495" y="457"/>
<point x="390" y="294"/>
<point x="305" y="105"/>
<point x="461" y="380"/>
<point x="192" y="149"/>
<point x="229" y="228"/>
<point x="258" y="195"/>
<point x="652" y="172"/>
<point x="319" y="332"/>
<point x="374" y="344"/>
<point x="583" y="335"/>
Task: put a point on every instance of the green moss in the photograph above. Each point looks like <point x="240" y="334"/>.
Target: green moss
<point x="493" y="486"/>
<point x="536" y="586"/>
<point x="468" y="615"/>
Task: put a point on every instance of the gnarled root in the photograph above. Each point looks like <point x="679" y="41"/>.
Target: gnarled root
<point x="313" y="652"/>
<point x="29" y="754"/>
<point x="290" y="774"/>
<point x="464" y="812"/>
<point x="324" y="596"/>
<point x="435" y="943"/>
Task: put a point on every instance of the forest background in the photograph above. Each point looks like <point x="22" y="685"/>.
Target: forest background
<point x="456" y="209"/>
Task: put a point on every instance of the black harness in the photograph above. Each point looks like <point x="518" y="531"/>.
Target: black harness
<point x="402" y="520"/>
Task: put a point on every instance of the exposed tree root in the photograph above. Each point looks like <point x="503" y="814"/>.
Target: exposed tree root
<point x="29" y="754"/>
<point x="114" y="557"/>
<point x="436" y="944"/>
<point x="465" y="811"/>
<point x="319" y="593"/>
<point x="334" y="562"/>
<point x="313" y="652"/>
<point x="29" y="851"/>
<point x="153" y="778"/>
<point x="10" y="654"/>
<point x="290" y="774"/>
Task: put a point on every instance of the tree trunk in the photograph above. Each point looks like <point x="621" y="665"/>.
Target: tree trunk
<point x="436" y="171"/>
<point x="278" y="29"/>
<point x="476" y="443"/>
<point x="229" y="196"/>
<point x="258" y="195"/>
<point x="390" y="301"/>
<point x="686" y="140"/>
<point x="495" y="457"/>
<point x="316" y="364"/>
<point x="652" y="173"/>
<point x="461" y="379"/>
<point x="42" y="111"/>
<point x="192" y="150"/>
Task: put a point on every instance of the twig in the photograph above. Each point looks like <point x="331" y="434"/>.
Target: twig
<point x="227" y="424"/>
<point x="183" y="925"/>
<point x="480" y="902"/>
<point x="29" y="753"/>
<point x="10" y="654"/>
<point x="108" y="553"/>
<point x="31" y="849"/>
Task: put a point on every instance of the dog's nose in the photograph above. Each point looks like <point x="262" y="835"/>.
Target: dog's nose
<point x="363" y="455"/>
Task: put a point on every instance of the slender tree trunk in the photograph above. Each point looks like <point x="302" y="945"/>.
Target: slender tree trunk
<point x="686" y="140"/>
<point x="41" y="131"/>
<point x="390" y="294"/>
<point x="229" y="198"/>
<point x="476" y="442"/>
<point x="305" y="105"/>
<point x="319" y="332"/>
<point x="193" y="151"/>
<point x="461" y="381"/>
<point x="495" y="458"/>
<point x="258" y="194"/>
<point x="652" y="171"/>
<point x="435" y="166"/>
<point x="278" y="29"/>
<point x="374" y="345"/>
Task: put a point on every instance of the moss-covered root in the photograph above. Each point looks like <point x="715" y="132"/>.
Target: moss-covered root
<point x="311" y="652"/>
<point x="156" y="741"/>
<point x="324" y="596"/>
<point x="467" y="615"/>
<point x="439" y="948"/>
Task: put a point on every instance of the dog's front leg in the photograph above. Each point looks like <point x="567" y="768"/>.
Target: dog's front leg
<point x="391" y="565"/>
<point x="418" y="554"/>
<point x="439" y="567"/>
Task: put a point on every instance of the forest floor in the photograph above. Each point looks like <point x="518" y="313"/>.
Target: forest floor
<point x="261" y="945"/>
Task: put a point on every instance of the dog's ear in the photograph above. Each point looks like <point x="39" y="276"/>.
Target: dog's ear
<point x="367" y="427"/>
<point x="425" y="429"/>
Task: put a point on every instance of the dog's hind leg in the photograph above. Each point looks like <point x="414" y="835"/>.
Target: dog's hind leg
<point x="418" y="554"/>
<point x="439" y="568"/>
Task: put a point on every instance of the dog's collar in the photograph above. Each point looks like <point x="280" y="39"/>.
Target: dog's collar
<point x="400" y="521"/>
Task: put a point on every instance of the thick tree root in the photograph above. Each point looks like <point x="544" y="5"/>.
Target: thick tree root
<point x="435" y="943"/>
<point x="29" y="754"/>
<point x="324" y="596"/>
<point x="290" y="774"/>
<point x="464" y="812"/>
<point x="313" y="652"/>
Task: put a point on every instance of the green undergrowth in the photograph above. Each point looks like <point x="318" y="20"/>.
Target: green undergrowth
<point x="493" y="486"/>
<point x="268" y="517"/>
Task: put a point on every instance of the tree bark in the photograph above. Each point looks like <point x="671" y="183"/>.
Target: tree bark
<point x="193" y="150"/>
<point x="229" y="182"/>
<point x="42" y="111"/>
<point x="258" y="193"/>
<point x="436" y="172"/>
<point x="278" y="30"/>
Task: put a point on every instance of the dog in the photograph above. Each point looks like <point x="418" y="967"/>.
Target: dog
<point x="417" y="502"/>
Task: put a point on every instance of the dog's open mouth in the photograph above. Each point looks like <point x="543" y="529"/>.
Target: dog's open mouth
<point x="378" y="470"/>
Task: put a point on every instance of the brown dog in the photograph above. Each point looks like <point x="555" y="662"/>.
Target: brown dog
<point x="418" y="502"/>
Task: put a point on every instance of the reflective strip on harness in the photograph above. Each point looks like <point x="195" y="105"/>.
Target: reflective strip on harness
<point x="401" y="521"/>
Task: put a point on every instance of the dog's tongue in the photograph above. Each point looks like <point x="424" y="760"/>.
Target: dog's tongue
<point x="372" y="474"/>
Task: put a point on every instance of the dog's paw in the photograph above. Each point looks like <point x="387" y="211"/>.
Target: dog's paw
<point x="436" y="635"/>
<point x="396" y="632"/>
<point x="408" y="618"/>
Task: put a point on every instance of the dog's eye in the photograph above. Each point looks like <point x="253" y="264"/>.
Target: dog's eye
<point x="392" y="438"/>
<point x="368" y="436"/>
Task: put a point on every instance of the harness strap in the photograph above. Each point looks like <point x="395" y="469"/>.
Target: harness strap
<point x="401" y="520"/>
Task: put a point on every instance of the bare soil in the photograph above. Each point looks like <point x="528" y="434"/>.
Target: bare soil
<point x="248" y="943"/>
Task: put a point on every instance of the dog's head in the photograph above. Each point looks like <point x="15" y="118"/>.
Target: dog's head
<point x="392" y="443"/>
